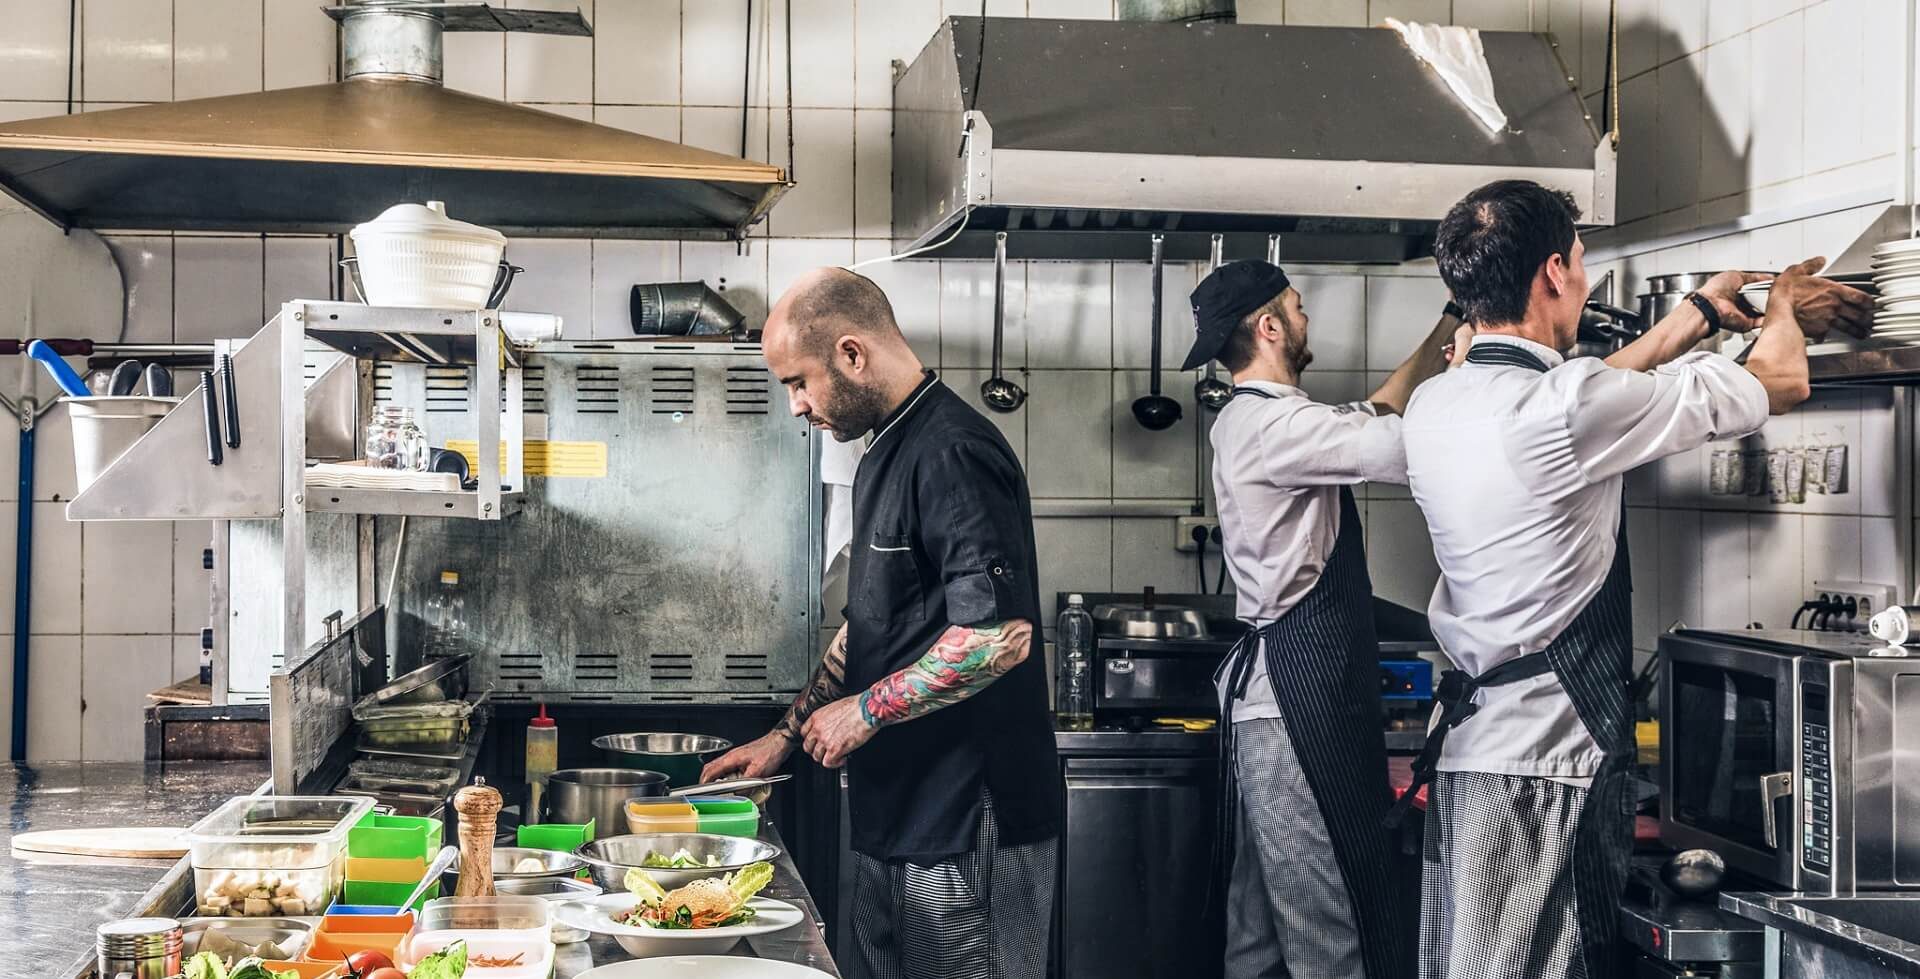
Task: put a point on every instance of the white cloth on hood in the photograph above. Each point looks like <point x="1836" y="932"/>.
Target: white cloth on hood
<point x="1455" y="53"/>
<point x="838" y="462"/>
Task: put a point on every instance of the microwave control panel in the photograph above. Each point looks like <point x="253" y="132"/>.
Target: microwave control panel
<point x="1816" y="788"/>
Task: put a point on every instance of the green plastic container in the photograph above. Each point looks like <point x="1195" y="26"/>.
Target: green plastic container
<point x="727" y="815"/>
<point x="556" y="836"/>
<point x="395" y="838"/>
<point x="379" y="892"/>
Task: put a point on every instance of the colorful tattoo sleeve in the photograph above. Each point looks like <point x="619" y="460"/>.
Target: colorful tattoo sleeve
<point x="828" y="685"/>
<point x="959" y="665"/>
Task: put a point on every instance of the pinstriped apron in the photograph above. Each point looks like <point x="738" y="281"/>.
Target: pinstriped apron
<point x="1324" y="663"/>
<point x="1593" y="659"/>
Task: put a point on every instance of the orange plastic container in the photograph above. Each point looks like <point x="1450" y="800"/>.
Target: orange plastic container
<point x="333" y="948"/>
<point x="662" y="817"/>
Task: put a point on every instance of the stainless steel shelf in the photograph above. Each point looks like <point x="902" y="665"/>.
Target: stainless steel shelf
<point x="402" y="335"/>
<point x="411" y="503"/>
<point x="1881" y="364"/>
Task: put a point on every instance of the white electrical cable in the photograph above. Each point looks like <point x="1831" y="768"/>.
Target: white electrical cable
<point x="966" y="145"/>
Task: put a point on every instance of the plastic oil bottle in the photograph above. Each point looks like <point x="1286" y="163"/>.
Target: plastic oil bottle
<point x="543" y="756"/>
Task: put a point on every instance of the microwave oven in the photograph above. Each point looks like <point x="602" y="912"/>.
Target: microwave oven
<point x="1795" y="755"/>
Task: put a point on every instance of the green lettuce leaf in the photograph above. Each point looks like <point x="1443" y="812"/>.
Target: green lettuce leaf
<point x="749" y="880"/>
<point x="206" y="965"/>
<point x="448" y="963"/>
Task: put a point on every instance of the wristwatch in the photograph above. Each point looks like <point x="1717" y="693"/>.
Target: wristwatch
<point x="1705" y="306"/>
<point x="1453" y="309"/>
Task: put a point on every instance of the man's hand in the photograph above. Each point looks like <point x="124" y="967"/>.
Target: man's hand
<point x="1821" y="305"/>
<point x="755" y="759"/>
<point x="1722" y="290"/>
<point x="1456" y="350"/>
<point x="836" y="731"/>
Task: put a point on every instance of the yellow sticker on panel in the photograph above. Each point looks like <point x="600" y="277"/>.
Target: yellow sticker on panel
<point x="581" y="460"/>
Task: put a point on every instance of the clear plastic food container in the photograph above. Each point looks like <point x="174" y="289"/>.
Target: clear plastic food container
<point x="506" y="936"/>
<point x="272" y="856"/>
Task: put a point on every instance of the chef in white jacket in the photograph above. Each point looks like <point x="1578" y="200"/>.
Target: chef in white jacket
<point x="1516" y="461"/>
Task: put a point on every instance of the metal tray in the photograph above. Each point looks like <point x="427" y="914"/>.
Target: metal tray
<point x="452" y="751"/>
<point x="439" y="680"/>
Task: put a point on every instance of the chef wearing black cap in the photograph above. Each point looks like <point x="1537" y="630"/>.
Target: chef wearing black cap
<point x="1313" y="888"/>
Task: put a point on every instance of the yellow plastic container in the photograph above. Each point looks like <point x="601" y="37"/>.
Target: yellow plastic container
<point x="386" y="870"/>
<point x="662" y="817"/>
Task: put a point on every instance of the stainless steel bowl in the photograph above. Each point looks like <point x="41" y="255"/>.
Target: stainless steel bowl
<point x="554" y="890"/>
<point x="575" y="795"/>
<point x="679" y="756"/>
<point x="291" y="934"/>
<point x="610" y="859"/>
<point x="553" y="863"/>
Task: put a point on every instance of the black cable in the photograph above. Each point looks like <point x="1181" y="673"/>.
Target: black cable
<point x="980" y="61"/>
<point x="1220" y="579"/>
<point x="1202" y="563"/>
<point x="790" y="168"/>
<point x="73" y="43"/>
<point x="1804" y="608"/>
<point x="746" y="79"/>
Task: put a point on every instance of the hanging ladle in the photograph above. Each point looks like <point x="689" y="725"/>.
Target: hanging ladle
<point x="1210" y="391"/>
<point x="999" y="393"/>
<point x="1156" y="412"/>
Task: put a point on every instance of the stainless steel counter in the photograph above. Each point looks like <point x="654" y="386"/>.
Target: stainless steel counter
<point x="1868" y="935"/>
<point x="51" y="904"/>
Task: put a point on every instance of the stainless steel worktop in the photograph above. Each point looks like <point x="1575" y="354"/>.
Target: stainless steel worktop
<point x="1857" y="937"/>
<point x="51" y="904"/>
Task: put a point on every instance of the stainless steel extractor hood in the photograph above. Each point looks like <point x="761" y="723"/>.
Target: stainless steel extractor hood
<point x="326" y="157"/>
<point x="1081" y="136"/>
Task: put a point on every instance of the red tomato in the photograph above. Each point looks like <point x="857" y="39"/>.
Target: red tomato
<point x="368" y="961"/>
<point x="388" y="972"/>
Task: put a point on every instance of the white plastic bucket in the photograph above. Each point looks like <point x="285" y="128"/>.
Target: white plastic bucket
<point x="105" y="427"/>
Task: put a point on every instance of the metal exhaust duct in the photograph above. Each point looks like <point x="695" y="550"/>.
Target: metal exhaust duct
<point x="1177" y="11"/>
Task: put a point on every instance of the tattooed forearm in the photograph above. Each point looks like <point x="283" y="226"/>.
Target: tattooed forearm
<point x="828" y="685"/>
<point x="959" y="665"/>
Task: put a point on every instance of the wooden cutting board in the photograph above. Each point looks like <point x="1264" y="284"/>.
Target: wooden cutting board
<point x="139" y="842"/>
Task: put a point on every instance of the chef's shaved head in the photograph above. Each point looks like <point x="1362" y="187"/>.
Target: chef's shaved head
<point x="828" y="303"/>
<point x="832" y="341"/>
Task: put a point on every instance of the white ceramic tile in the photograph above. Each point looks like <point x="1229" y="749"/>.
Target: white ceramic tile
<point x="1726" y="130"/>
<point x="146" y="265"/>
<point x="216" y="48"/>
<point x="296" y="268"/>
<point x="966" y="314"/>
<point x="1410" y="11"/>
<point x="822" y="205"/>
<point x="882" y="34"/>
<point x="1871" y="460"/>
<point x="712" y="51"/>
<point x="1399" y="553"/>
<point x="127" y="569"/>
<point x="1494" y="15"/>
<point x="1726" y="18"/>
<point x="913" y="289"/>
<point x="572" y="110"/>
<point x="191" y="579"/>
<point x="1680" y="568"/>
<point x="1724" y="568"/>
<point x="217" y="287"/>
<point x="1334" y="387"/>
<point x="1072" y="414"/>
<point x="788" y="259"/>
<point x="1643" y="555"/>
<point x="1073" y="9"/>
<point x="16" y="111"/>
<point x="1594" y="35"/>
<point x="1144" y="557"/>
<point x="1640" y="147"/>
<point x="33" y="51"/>
<point x="1777" y="246"/>
<point x="299" y="45"/>
<point x="872" y="174"/>
<point x="1725" y="252"/>
<point x="1336" y="308"/>
<point x="53" y="476"/>
<point x="56" y="568"/>
<point x="1012" y="424"/>
<point x="558" y="279"/>
<point x="1832" y="548"/>
<point x="1836" y="108"/>
<point x="126" y="51"/>
<point x="658" y="121"/>
<point x="1683" y="28"/>
<point x="1640" y="30"/>
<point x="552" y="68"/>
<point x="1776" y="587"/>
<point x="1677" y="120"/>
<point x="1305" y="13"/>
<point x="636" y="52"/>
<point x="1076" y="554"/>
<point x="1779" y="47"/>
<point x="995" y="8"/>
<point x="9" y="474"/>
<point x="1131" y="312"/>
<point x="1881" y="55"/>
<point x="823" y="56"/>
<point x="117" y="674"/>
<point x="476" y="62"/>
<point x="741" y="278"/>
<point x="1401" y="311"/>
<point x="1070" y="316"/>
<point x="1155" y="465"/>
<point x="1880" y="552"/>
<point x="618" y="266"/>
<point x="186" y="657"/>
<point x="718" y="129"/>
<point x="54" y="698"/>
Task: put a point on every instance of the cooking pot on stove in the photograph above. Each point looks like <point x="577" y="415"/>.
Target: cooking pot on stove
<point x="1147" y="620"/>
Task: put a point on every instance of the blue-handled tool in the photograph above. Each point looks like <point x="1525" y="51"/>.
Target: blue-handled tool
<point x="62" y="374"/>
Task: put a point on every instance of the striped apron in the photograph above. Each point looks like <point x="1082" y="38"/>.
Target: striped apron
<point x="1592" y="658"/>
<point x="1324" y="663"/>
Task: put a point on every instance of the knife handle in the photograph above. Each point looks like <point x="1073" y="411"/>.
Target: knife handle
<point x="212" y="399"/>
<point x="228" y="391"/>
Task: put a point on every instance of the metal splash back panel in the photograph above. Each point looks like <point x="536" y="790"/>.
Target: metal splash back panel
<point x="688" y="573"/>
<point x="1086" y="134"/>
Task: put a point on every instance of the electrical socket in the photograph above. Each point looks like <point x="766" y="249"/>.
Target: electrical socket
<point x="1868" y="599"/>
<point x="1183" y="533"/>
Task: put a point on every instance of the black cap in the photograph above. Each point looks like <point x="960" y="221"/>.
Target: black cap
<point x="1223" y="299"/>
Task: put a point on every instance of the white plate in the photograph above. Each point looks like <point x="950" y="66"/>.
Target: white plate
<point x="702" y="967"/>
<point x="596" y="915"/>
<point x="1898" y="304"/>
<point x="1897" y="246"/>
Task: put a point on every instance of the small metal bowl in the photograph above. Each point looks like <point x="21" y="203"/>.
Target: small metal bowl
<point x="291" y="934"/>
<point x="609" y="859"/>
<point x="553" y="863"/>
<point x="554" y="890"/>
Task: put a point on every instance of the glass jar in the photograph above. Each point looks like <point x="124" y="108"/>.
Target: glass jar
<point x="395" y="442"/>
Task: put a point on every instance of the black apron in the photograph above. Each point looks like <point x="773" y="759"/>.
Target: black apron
<point x="1324" y="664"/>
<point x="1593" y="659"/>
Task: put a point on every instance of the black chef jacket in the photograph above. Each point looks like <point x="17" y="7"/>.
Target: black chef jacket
<point x="943" y="536"/>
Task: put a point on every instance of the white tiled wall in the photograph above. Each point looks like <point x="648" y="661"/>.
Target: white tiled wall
<point x="1730" y="106"/>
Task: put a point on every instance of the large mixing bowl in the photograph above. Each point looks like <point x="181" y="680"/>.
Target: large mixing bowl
<point x="680" y="756"/>
<point x="576" y="795"/>
<point x="609" y="859"/>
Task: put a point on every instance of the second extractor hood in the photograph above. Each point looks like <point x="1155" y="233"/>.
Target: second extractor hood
<point x="1079" y="137"/>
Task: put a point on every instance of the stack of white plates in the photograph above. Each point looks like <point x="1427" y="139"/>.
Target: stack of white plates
<point x="1896" y="276"/>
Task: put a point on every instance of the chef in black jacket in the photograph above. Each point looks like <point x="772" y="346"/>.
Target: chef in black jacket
<point x="931" y="694"/>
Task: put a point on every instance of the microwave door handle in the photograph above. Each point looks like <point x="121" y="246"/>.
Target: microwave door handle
<point x="1773" y="788"/>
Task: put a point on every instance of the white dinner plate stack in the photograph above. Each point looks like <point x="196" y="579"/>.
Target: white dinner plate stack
<point x="1896" y="276"/>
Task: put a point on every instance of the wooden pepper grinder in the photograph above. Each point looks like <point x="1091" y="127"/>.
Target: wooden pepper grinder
<point x="479" y="808"/>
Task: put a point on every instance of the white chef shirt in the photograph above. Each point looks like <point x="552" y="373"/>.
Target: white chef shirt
<point x="1519" y="476"/>
<point x="1278" y="466"/>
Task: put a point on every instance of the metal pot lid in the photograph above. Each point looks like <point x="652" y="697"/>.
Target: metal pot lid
<point x="1146" y="620"/>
